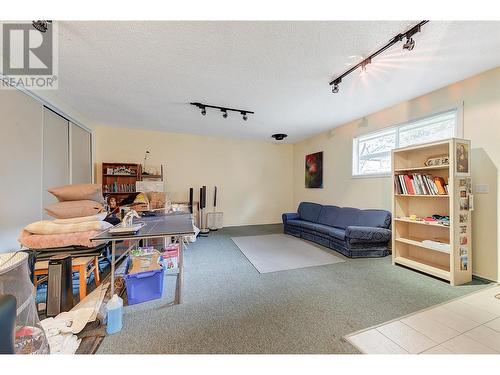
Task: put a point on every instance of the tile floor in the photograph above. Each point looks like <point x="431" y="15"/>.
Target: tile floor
<point x="468" y="325"/>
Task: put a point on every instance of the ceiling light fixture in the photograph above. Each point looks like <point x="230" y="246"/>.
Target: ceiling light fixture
<point x="41" y="26"/>
<point x="364" y="63"/>
<point x="408" y="45"/>
<point x="244" y="113"/>
<point x="279" y="136"/>
<point x="335" y="88"/>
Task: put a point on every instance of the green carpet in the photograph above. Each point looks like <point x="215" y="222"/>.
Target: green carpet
<point x="230" y="308"/>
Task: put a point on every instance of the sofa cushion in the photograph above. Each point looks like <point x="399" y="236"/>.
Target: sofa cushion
<point x="309" y="225"/>
<point x="309" y="211"/>
<point x="330" y="231"/>
<point x="373" y="218"/>
<point x="342" y="217"/>
<point x="296" y="223"/>
<point x="347" y="216"/>
<point x="329" y="215"/>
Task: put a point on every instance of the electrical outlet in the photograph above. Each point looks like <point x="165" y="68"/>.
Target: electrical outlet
<point x="482" y="189"/>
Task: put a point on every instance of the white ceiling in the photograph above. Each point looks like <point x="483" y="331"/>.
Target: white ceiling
<point x="144" y="74"/>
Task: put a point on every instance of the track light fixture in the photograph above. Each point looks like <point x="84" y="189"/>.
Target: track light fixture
<point x="244" y="113"/>
<point x="335" y="88"/>
<point x="408" y="45"/>
<point x="41" y="26"/>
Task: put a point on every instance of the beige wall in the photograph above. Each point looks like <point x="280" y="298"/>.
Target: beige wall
<point x="254" y="178"/>
<point x="481" y="119"/>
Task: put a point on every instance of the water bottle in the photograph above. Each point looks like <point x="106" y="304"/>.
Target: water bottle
<point x="114" y="309"/>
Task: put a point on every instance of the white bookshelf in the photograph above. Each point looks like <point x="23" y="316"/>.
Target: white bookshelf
<point x="454" y="262"/>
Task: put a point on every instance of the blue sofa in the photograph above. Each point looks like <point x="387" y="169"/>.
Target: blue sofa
<point x="353" y="232"/>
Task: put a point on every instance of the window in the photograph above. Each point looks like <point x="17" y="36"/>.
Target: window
<point x="372" y="151"/>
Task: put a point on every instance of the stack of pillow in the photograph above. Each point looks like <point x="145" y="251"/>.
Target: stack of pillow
<point x="77" y="200"/>
<point x="79" y="216"/>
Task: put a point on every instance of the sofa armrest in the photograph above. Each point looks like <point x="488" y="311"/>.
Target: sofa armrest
<point x="289" y="216"/>
<point x="368" y="234"/>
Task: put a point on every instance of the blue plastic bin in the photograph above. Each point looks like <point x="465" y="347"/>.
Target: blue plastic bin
<point x="144" y="286"/>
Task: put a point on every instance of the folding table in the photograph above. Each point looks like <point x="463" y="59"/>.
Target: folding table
<point x="177" y="225"/>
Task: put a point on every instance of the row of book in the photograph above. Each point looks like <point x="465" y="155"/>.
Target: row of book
<point x="420" y="184"/>
<point x="118" y="188"/>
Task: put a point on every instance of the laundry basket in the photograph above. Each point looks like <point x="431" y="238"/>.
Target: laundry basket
<point x="14" y="280"/>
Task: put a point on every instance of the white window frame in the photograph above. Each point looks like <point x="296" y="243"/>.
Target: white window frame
<point x="459" y="131"/>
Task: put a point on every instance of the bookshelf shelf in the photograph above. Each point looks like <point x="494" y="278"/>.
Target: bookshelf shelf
<point x="422" y="195"/>
<point x="414" y="241"/>
<point x="411" y="175"/>
<point x="424" y="168"/>
<point x="430" y="268"/>
<point x="428" y="223"/>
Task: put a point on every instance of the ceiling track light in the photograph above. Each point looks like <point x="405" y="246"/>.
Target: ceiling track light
<point x="408" y="45"/>
<point x="335" y="88"/>
<point x="243" y="112"/>
<point x="41" y="26"/>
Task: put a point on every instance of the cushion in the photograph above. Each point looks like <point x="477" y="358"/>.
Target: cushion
<point x="374" y="218"/>
<point x="77" y="192"/>
<point x="49" y="227"/>
<point x="329" y="215"/>
<point x="308" y="225"/>
<point x="49" y="241"/>
<point x="347" y="216"/>
<point x="99" y="217"/>
<point x="296" y="222"/>
<point x="331" y="231"/>
<point x="71" y="209"/>
<point x="309" y="211"/>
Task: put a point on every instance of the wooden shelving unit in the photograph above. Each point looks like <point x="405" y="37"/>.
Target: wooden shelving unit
<point x="120" y="186"/>
<point x="451" y="263"/>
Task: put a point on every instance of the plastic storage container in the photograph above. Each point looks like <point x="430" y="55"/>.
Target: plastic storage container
<point x="14" y="280"/>
<point x="144" y="286"/>
<point x="114" y="310"/>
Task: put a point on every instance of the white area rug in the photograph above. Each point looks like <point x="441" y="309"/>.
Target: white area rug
<point x="279" y="252"/>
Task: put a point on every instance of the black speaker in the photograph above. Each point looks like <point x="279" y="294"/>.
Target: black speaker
<point x="191" y="200"/>
<point x="59" y="285"/>
<point x="203" y="197"/>
<point x="215" y="197"/>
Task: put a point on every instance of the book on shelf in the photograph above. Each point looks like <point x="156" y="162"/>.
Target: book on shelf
<point x="420" y="184"/>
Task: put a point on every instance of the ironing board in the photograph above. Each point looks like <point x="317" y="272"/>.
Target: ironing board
<point x="177" y="225"/>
